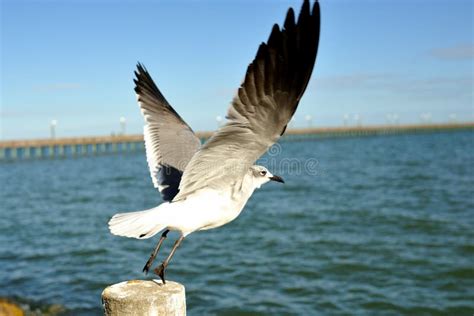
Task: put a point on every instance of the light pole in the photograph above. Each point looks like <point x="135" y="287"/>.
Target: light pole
<point x="395" y="118"/>
<point x="309" y="119"/>
<point x="357" y="119"/>
<point x="123" y="125"/>
<point x="345" y="119"/>
<point x="52" y="128"/>
<point x="425" y="117"/>
<point x="453" y="117"/>
<point x="219" y="121"/>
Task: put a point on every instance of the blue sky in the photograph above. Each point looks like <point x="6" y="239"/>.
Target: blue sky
<point x="73" y="61"/>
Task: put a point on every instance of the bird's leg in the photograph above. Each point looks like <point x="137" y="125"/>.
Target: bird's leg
<point x="148" y="264"/>
<point x="160" y="271"/>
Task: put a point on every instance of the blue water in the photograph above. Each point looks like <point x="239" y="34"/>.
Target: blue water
<point x="377" y="225"/>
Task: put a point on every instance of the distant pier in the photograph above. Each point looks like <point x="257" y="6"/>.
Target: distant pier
<point x="89" y="146"/>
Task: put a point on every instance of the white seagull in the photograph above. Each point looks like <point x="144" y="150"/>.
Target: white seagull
<point x="207" y="186"/>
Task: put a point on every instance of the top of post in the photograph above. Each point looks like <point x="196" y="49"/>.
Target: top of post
<point x="144" y="297"/>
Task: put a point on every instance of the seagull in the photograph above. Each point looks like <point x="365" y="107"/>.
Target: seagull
<point x="205" y="187"/>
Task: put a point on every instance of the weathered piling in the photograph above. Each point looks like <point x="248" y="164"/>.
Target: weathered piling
<point x="140" y="298"/>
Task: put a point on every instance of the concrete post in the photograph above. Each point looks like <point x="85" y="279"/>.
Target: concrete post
<point x="140" y="298"/>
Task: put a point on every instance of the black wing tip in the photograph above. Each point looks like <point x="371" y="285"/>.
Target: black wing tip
<point x="316" y="13"/>
<point x="290" y="19"/>
<point x="274" y="35"/>
<point x="143" y="78"/>
<point x="305" y="7"/>
<point x="146" y="88"/>
<point x="144" y="84"/>
<point x="141" y="70"/>
<point x="304" y="13"/>
<point x="275" y="28"/>
<point x="316" y="7"/>
<point x="307" y="11"/>
<point x="262" y="50"/>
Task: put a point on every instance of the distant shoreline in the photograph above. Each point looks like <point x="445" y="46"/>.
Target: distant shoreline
<point x="322" y="131"/>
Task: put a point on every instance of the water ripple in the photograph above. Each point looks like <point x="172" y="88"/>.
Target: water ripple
<point x="384" y="228"/>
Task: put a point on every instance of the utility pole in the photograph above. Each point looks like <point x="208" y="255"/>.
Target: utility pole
<point x="123" y="125"/>
<point x="52" y="128"/>
<point x="357" y="119"/>
<point x="219" y="121"/>
<point x="309" y="119"/>
<point x="345" y="119"/>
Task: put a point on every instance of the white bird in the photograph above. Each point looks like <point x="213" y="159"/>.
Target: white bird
<point x="207" y="187"/>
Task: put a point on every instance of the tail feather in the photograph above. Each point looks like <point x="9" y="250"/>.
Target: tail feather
<point x="140" y="225"/>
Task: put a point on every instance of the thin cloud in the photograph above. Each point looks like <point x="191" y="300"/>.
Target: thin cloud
<point x="353" y="81"/>
<point x="397" y="84"/>
<point x="458" y="52"/>
<point x="23" y="114"/>
<point x="435" y="87"/>
<point x="52" y="87"/>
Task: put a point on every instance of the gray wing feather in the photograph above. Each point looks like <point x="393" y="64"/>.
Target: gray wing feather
<point x="265" y="102"/>
<point x="169" y="142"/>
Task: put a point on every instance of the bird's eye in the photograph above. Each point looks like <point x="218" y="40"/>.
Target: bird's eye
<point x="263" y="173"/>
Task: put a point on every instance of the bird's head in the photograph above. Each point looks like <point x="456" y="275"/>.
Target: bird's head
<point x="261" y="175"/>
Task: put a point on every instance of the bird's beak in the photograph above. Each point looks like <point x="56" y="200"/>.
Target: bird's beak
<point x="277" y="179"/>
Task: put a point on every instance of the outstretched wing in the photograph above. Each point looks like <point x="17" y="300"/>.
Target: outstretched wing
<point x="170" y="143"/>
<point x="267" y="99"/>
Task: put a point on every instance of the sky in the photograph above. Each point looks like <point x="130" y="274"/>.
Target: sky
<point x="379" y="61"/>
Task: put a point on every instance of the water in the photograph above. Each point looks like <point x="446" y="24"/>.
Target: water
<point x="376" y="225"/>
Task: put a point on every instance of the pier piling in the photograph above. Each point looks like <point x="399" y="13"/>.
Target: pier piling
<point x="144" y="297"/>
